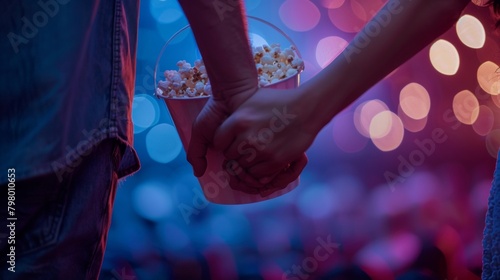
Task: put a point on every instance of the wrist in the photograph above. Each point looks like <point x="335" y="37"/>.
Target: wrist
<point x="326" y="96"/>
<point x="232" y="95"/>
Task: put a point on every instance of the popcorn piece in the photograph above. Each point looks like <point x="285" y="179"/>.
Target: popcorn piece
<point x="199" y="87"/>
<point x="279" y="74"/>
<point x="297" y="63"/>
<point x="202" y="69"/>
<point x="164" y="85"/>
<point x="263" y="82"/>
<point x="289" y="52"/>
<point x="198" y="63"/>
<point x="266" y="59"/>
<point x="191" y="92"/>
<point x="207" y="89"/>
<point x="290" y="72"/>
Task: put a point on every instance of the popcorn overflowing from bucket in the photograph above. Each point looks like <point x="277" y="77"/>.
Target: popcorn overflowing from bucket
<point x="272" y="63"/>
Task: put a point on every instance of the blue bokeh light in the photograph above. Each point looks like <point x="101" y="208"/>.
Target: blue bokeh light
<point x="145" y="112"/>
<point x="163" y="143"/>
<point x="152" y="200"/>
<point x="166" y="11"/>
<point x="317" y="201"/>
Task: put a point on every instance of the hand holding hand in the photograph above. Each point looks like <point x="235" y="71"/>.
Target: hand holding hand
<point x="267" y="134"/>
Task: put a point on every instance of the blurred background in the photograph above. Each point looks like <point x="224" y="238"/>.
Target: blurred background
<point x="396" y="185"/>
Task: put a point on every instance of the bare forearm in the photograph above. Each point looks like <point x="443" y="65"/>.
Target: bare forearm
<point x="220" y="30"/>
<point x="400" y="30"/>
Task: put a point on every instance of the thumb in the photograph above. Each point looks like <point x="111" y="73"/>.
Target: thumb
<point x="198" y="146"/>
<point x="207" y="122"/>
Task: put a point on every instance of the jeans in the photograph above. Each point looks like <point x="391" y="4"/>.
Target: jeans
<point x="61" y="227"/>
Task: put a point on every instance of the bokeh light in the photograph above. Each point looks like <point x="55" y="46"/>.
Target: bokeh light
<point x="166" y="11"/>
<point x="324" y="198"/>
<point x="444" y="57"/>
<point x="415" y="101"/>
<point x="466" y="107"/>
<point x="328" y="49"/>
<point x="485" y="121"/>
<point x="397" y="250"/>
<point x="257" y="40"/>
<point x="380" y="125"/>
<point x="354" y="14"/>
<point x="359" y="11"/>
<point x="299" y="15"/>
<point x="411" y="124"/>
<point x="346" y="135"/>
<point x="332" y="4"/>
<point x="163" y="143"/>
<point x="386" y="131"/>
<point x="471" y="32"/>
<point x="488" y="77"/>
<point x="145" y="112"/>
<point x="152" y="200"/>
<point x="496" y="100"/>
<point x="344" y="19"/>
<point x="364" y="114"/>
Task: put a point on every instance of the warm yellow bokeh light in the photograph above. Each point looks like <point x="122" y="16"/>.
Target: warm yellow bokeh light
<point x="488" y="77"/>
<point x="471" y="32"/>
<point x="332" y="4"/>
<point x="410" y="124"/>
<point x="484" y="122"/>
<point x="381" y="125"/>
<point x="496" y="100"/>
<point x="387" y="131"/>
<point x="364" y="114"/>
<point x="444" y="57"/>
<point x="415" y="101"/>
<point x="466" y="107"/>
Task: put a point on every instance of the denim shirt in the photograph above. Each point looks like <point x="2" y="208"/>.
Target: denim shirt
<point x="67" y="70"/>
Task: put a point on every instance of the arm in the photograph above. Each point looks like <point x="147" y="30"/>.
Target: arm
<point x="413" y="24"/>
<point x="219" y="27"/>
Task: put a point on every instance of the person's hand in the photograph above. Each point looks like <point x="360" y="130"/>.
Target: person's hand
<point x="267" y="136"/>
<point x="207" y="122"/>
<point x="243" y="181"/>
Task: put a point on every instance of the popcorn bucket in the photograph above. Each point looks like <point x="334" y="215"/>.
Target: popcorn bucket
<point x="184" y="110"/>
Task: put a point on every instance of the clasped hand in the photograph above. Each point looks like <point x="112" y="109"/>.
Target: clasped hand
<point x="263" y="136"/>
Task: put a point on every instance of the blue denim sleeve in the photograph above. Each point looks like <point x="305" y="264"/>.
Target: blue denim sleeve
<point x="66" y="82"/>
